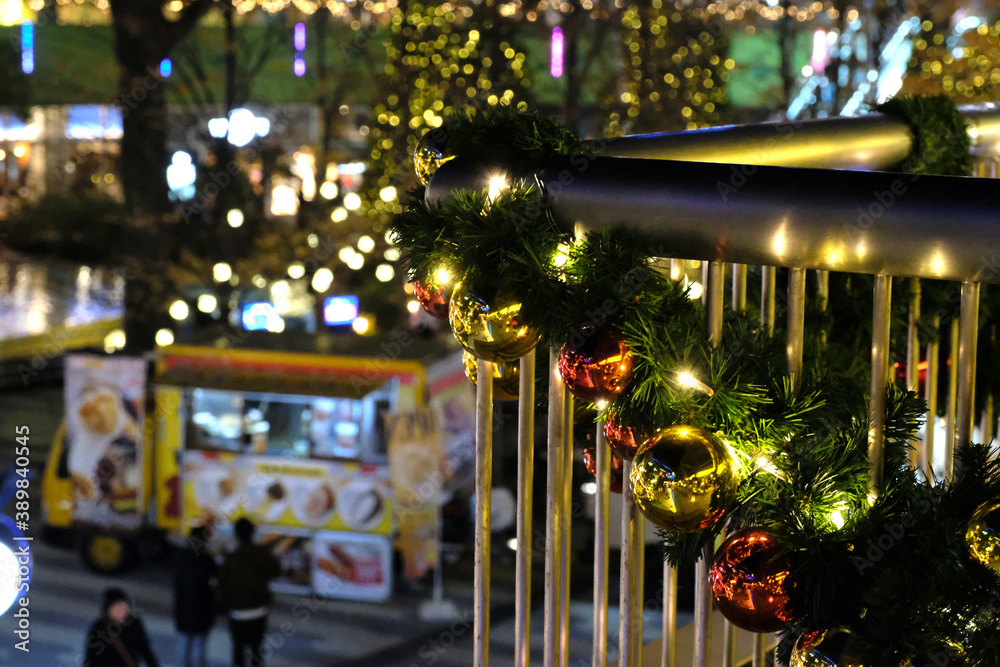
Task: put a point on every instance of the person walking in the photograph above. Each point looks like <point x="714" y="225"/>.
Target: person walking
<point x="118" y="638"/>
<point x="194" y="599"/>
<point x="243" y="584"/>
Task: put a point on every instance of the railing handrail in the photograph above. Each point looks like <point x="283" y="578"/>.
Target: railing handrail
<point x="869" y="142"/>
<point x="939" y="227"/>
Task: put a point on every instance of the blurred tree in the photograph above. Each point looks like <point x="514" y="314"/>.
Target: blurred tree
<point x="675" y="70"/>
<point x="965" y="67"/>
<point x="15" y="85"/>
<point x="441" y="57"/>
<point x="143" y="38"/>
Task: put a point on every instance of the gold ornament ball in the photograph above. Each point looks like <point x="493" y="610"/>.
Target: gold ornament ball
<point x="492" y="331"/>
<point x="983" y="535"/>
<point x="825" y="648"/>
<point x="683" y="479"/>
<point x="428" y="157"/>
<point x="506" y="377"/>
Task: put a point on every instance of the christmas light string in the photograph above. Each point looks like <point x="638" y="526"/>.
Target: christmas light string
<point x="897" y="572"/>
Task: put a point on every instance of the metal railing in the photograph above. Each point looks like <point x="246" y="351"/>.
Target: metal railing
<point x="727" y="196"/>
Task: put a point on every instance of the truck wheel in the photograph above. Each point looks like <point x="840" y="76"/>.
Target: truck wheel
<point x="106" y="553"/>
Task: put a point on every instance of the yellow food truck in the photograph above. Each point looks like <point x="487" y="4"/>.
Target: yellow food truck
<point x="297" y="442"/>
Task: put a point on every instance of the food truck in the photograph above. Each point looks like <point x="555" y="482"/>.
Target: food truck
<point x="297" y="442"/>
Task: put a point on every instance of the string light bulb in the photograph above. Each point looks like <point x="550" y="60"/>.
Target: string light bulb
<point x="686" y="379"/>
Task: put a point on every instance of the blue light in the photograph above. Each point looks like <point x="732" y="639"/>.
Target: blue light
<point x="27" y="47"/>
<point x="166" y="68"/>
<point x="340" y="310"/>
<point x="259" y="316"/>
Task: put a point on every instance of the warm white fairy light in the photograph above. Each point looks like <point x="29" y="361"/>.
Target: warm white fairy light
<point x="686" y="379"/>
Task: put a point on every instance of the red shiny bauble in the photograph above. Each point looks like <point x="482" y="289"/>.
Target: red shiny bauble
<point x="432" y="298"/>
<point x="596" y="365"/>
<point x="751" y="582"/>
<point x="590" y="461"/>
<point x="624" y="440"/>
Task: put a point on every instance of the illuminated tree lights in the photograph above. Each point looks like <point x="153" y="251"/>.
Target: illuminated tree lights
<point x="965" y="67"/>
<point x="674" y="70"/>
<point x="439" y="58"/>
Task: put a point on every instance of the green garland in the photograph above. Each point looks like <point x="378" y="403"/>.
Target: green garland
<point x="802" y="456"/>
<point x="940" y="135"/>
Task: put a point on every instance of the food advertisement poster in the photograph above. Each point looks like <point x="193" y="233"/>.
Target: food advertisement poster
<point x="415" y="465"/>
<point x="280" y="491"/>
<point x="293" y="549"/>
<point x="105" y="402"/>
<point x="352" y="566"/>
<point x="453" y="398"/>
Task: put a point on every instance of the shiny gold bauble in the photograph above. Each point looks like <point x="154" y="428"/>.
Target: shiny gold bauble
<point x="432" y="298"/>
<point x="428" y="157"/>
<point x="752" y="584"/>
<point x="826" y="648"/>
<point x="596" y="365"/>
<point x="983" y="535"/>
<point x="683" y="479"/>
<point x="492" y="331"/>
<point x="506" y="377"/>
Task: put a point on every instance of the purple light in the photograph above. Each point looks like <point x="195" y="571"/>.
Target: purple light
<point x="300" y="37"/>
<point x="556" y="68"/>
<point x="299" y="66"/>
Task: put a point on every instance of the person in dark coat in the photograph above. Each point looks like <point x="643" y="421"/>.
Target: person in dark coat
<point x="118" y="638"/>
<point x="243" y="584"/>
<point x="194" y="599"/>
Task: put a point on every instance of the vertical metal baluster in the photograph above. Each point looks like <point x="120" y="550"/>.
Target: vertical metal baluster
<point x="913" y="357"/>
<point x="567" y="541"/>
<point x="728" y="644"/>
<point x="759" y="657"/>
<point x="738" y="301"/>
<point x="968" y="334"/>
<point x="949" y="423"/>
<point x="484" y="487"/>
<point x="716" y="289"/>
<point x="823" y="288"/>
<point x="930" y="394"/>
<point x="880" y="381"/>
<point x="702" y="589"/>
<point x="525" y="500"/>
<point x="640" y="590"/>
<point x="553" y="507"/>
<point x="703" y="610"/>
<point x="796" y="324"/>
<point x="627" y="601"/>
<point x="602" y="514"/>
<point x="704" y="282"/>
<point x="767" y="288"/>
<point x="988" y="421"/>
<point x="823" y="291"/>
<point x="668" y="648"/>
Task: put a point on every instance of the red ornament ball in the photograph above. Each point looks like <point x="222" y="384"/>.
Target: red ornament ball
<point x="596" y="367"/>
<point x="624" y="440"/>
<point x="751" y="582"/>
<point x="617" y="476"/>
<point x="432" y="298"/>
